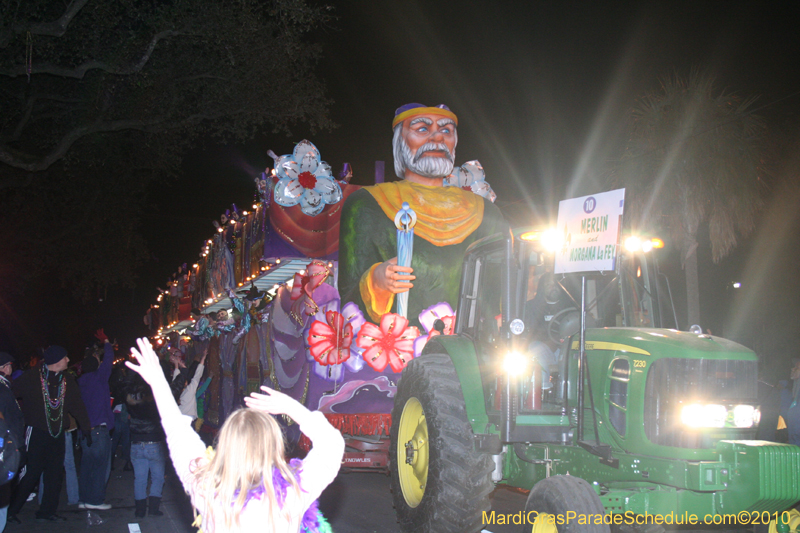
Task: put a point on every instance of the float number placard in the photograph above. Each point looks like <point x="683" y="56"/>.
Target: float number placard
<point x="590" y="228"/>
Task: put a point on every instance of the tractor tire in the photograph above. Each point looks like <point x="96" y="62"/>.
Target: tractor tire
<point x="439" y="483"/>
<point x="557" y="496"/>
<point x="793" y="516"/>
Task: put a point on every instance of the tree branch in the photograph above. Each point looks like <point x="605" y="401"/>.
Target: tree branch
<point x="56" y="28"/>
<point x="24" y="162"/>
<point x="80" y="71"/>
<point x="25" y="120"/>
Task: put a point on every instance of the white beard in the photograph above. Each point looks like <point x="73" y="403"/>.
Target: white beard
<point x="427" y="166"/>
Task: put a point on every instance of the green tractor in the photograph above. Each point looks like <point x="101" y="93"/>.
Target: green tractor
<point x="646" y="425"/>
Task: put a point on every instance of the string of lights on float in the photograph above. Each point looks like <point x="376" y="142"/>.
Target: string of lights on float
<point x="271" y="273"/>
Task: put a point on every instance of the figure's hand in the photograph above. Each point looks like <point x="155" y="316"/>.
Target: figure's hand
<point x="88" y="436"/>
<point x="275" y="403"/>
<point x="100" y="335"/>
<point x="203" y="359"/>
<point x="392" y="278"/>
<point x="149" y="367"/>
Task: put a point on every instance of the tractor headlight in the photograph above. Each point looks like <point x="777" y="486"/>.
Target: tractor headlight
<point x="704" y="415"/>
<point x="746" y="416"/>
<point x="515" y="364"/>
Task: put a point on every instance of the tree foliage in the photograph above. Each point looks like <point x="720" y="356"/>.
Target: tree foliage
<point x="99" y="97"/>
<point x="181" y="67"/>
<point x="694" y="159"/>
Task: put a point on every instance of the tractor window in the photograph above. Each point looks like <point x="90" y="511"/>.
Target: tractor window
<point x="480" y="304"/>
<point x="468" y="301"/>
<point x="618" y="394"/>
<point x="637" y="283"/>
<point x="490" y="293"/>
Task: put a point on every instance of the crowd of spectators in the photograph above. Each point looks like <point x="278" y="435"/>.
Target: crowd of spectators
<point x="152" y="411"/>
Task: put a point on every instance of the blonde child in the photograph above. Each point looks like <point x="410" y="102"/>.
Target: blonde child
<point x="246" y="484"/>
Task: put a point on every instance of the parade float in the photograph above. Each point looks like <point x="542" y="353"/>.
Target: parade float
<point x="263" y="299"/>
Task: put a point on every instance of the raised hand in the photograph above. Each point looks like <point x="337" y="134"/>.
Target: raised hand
<point x="149" y="366"/>
<point x="100" y="335"/>
<point x="275" y="403"/>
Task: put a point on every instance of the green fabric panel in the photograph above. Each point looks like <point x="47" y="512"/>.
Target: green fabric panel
<point x="367" y="236"/>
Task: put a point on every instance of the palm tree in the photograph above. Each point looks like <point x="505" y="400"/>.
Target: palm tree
<point x="692" y="161"/>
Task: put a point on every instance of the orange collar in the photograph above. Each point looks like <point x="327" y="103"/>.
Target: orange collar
<point x="445" y="215"/>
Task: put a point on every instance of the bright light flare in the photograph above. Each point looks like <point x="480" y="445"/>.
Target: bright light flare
<point x="552" y="239"/>
<point x="745" y="416"/>
<point x="515" y="364"/>
<point x="704" y="415"/>
<point x="633" y="244"/>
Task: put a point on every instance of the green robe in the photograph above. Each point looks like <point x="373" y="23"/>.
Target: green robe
<point x="368" y="236"/>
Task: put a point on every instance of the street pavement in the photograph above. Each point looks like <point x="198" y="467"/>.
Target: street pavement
<point x="353" y="503"/>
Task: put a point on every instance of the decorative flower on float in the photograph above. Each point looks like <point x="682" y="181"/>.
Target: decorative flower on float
<point x="329" y="343"/>
<point x="390" y="344"/>
<point x="471" y="177"/>
<point x="306" y="180"/>
<point x="354" y="319"/>
<point x="441" y="311"/>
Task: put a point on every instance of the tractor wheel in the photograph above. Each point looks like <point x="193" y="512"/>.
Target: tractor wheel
<point x="439" y="483"/>
<point x="793" y="517"/>
<point x="553" y="497"/>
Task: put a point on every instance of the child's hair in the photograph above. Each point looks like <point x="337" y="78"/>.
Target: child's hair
<point x="249" y="446"/>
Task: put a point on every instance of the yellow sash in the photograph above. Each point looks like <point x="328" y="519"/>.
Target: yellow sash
<point x="445" y="215"/>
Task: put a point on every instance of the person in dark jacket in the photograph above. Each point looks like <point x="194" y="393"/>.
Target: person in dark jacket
<point x="12" y="414"/>
<point x="48" y="393"/>
<point x="8" y="403"/>
<point x="148" y="453"/>
<point x="769" y="398"/>
<point x="122" y="428"/>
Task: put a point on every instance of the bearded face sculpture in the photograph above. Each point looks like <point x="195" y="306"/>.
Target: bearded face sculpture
<point x="424" y="144"/>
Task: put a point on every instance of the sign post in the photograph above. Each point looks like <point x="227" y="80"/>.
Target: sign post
<point x="591" y="229"/>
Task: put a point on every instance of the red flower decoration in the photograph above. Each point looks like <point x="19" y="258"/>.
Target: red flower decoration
<point x="392" y="343"/>
<point x="307" y="180"/>
<point x="329" y="344"/>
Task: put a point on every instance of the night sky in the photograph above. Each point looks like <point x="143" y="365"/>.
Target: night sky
<point x="541" y="90"/>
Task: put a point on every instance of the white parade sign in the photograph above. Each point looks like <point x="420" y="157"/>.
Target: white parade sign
<point x="589" y="228"/>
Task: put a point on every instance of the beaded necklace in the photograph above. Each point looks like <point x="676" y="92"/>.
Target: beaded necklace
<point x="53" y="405"/>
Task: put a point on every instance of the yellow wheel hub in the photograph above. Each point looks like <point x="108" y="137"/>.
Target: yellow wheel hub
<point x="794" y="521"/>
<point x="544" y="523"/>
<point x="412" y="452"/>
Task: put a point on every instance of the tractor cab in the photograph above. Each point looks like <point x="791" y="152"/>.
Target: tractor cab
<point x="519" y="313"/>
<point x="525" y="321"/>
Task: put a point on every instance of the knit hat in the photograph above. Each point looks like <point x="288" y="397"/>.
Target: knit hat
<point x="6" y="358"/>
<point x="54" y="354"/>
